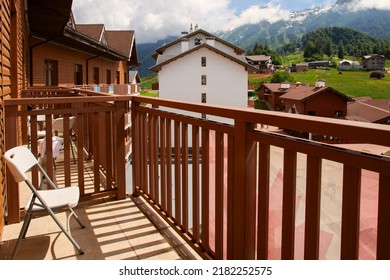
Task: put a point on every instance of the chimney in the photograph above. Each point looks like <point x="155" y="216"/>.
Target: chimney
<point x="185" y="45"/>
<point x="320" y="83"/>
<point x="210" y="41"/>
<point x="284" y="86"/>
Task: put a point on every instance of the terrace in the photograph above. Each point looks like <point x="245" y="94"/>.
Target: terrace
<point x="240" y="189"/>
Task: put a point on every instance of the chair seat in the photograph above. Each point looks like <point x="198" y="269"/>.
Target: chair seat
<point x="58" y="198"/>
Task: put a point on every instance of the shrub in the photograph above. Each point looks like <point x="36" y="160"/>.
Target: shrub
<point x="377" y="75"/>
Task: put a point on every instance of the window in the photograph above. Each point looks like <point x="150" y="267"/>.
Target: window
<point x="108" y="76"/>
<point x="96" y="75"/>
<point x="78" y="74"/>
<point x="51" y="72"/>
<point x="203" y="61"/>
<point x="118" y="79"/>
<point x="204" y="80"/>
<point x="338" y="113"/>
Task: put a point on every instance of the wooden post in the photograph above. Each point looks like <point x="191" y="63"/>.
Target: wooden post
<point x="11" y="130"/>
<point x="243" y="235"/>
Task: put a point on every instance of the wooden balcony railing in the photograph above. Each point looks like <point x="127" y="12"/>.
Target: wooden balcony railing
<point x="119" y="89"/>
<point x="212" y="180"/>
<point x="99" y="137"/>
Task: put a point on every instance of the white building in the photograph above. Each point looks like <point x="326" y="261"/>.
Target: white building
<point x="199" y="67"/>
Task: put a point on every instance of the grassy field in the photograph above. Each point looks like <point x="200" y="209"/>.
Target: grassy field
<point x="351" y="83"/>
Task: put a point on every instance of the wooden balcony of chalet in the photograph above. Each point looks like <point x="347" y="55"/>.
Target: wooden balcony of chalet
<point x="227" y="181"/>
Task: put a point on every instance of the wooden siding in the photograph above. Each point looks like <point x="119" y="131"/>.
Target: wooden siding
<point x="67" y="58"/>
<point x="5" y="90"/>
<point x="13" y="77"/>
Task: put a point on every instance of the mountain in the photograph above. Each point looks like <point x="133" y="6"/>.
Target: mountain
<point x="372" y="22"/>
<point x="144" y="55"/>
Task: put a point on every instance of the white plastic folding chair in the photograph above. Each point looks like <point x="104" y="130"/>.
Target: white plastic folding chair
<point x="20" y="160"/>
<point x="58" y="129"/>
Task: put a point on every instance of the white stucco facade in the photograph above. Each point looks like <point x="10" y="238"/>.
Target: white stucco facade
<point x="181" y="65"/>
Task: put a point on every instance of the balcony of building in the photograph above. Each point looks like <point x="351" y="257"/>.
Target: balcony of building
<point x="229" y="182"/>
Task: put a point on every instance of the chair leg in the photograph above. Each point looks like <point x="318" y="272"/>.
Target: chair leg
<point x="24" y="228"/>
<point x="71" y="146"/>
<point x="66" y="232"/>
<point x="73" y="213"/>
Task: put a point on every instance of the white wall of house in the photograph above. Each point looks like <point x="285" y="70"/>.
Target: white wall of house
<point x="226" y="83"/>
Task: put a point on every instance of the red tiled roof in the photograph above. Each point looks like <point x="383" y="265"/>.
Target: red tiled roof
<point x="121" y="40"/>
<point x="374" y="110"/>
<point x="93" y="31"/>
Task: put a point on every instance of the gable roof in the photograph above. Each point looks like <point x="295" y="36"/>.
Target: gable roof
<point x="123" y="41"/>
<point x="369" y="110"/>
<point x="94" y="31"/>
<point x="161" y="49"/>
<point x="302" y="92"/>
<point x="166" y="59"/>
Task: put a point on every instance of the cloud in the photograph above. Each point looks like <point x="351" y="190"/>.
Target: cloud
<point x="357" y="5"/>
<point x="156" y="19"/>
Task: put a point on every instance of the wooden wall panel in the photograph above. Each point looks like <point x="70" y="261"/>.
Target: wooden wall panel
<point x="5" y="91"/>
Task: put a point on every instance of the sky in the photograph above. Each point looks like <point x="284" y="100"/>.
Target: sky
<point x="153" y="20"/>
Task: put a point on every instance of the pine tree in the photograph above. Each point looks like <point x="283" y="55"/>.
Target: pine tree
<point x="340" y="50"/>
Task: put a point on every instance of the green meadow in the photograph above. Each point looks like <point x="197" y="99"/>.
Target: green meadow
<point x="351" y="83"/>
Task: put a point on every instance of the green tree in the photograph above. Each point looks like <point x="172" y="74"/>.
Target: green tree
<point x="340" y="50"/>
<point x="281" y="76"/>
<point x="328" y="48"/>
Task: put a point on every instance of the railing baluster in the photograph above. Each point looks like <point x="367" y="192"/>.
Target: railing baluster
<point x="177" y="173"/>
<point x="205" y="189"/>
<point x="168" y="135"/>
<point x="184" y="168"/>
<point x="151" y="158"/>
<point x="289" y="198"/>
<point x="263" y="202"/>
<point x="163" y="164"/>
<point x="219" y="194"/>
<point x="80" y="153"/>
<point x="96" y="128"/>
<point x="383" y="245"/>
<point x="350" y="220"/>
<point x="313" y="208"/>
<point x="155" y="155"/>
<point x="195" y="182"/>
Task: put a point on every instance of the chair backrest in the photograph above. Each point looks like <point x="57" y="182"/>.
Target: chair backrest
<point x="58" y="124"/>
<point x="19" y="161"/>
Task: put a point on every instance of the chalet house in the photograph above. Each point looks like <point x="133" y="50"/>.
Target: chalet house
<point x="199" y="67"/>
<point x="366" y="109"/>
<point x="84" y="55"/>
<point x="374" y="62"/>
<point x="304" y="99"/>
<point x="261" y="62"/>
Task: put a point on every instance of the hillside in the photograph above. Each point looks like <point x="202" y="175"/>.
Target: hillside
<point x="354" y="43"/>
<point x="371" y="22"/>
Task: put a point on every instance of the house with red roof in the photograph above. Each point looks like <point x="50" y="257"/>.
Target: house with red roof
<point x="298" y="98"/>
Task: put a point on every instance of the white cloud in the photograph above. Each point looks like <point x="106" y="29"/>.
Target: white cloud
<point x="156" y="19"/>
<point x="358" y="5"/>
